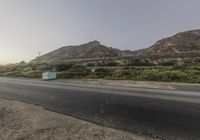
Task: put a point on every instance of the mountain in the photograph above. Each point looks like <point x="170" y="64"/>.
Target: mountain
<point x="188" y="41"/>
<point x="93" y="49"/>
<point x="181" y="42"/>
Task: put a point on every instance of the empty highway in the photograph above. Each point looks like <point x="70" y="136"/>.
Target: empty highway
<point x="172" y="114"/>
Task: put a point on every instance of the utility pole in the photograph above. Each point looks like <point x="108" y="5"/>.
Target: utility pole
<point x="39" y="54"/>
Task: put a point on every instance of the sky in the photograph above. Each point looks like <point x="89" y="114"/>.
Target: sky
<point x="31" y="26"/>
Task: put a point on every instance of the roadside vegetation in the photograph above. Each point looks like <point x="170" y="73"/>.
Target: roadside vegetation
<point x="187" y="74"/>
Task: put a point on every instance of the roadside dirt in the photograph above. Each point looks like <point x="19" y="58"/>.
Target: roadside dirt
<point x="124" y="83"/>
<point x="23" y="121"/>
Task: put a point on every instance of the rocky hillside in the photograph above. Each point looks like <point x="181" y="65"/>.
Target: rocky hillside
<point x="182" y="42"/>
<point x="188" y="41"/>
<point x="92" y="49"/>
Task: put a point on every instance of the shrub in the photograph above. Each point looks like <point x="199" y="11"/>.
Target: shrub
<point x="102" y="73"/>
<point x="75" y="72"/>
<point x="63" y="67"/>
<point x="168" y="63"/>
<point x="111" y="64"/>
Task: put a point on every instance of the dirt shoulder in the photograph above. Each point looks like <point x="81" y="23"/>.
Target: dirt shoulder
<point x="23" y="121"/>
<point x="134" y="84"/>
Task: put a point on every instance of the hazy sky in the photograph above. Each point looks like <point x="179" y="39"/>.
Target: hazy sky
<point x="29" y="26"/>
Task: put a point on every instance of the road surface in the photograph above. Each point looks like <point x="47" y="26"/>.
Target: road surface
<point x="173" y="114"/>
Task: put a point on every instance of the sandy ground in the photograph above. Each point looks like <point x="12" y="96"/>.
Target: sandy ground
<point x="134" y="84"/>
<point x="124" y="83"/>
<point x="23" y="121"/>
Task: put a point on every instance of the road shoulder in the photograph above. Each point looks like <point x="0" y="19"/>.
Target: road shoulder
<point x="21" y="120"/>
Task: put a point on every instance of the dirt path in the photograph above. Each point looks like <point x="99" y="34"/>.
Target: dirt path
<point x="22" y="121"/>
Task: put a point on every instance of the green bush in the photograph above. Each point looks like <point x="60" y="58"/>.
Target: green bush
<point x="168" y="63"/>
<point x="75" y="72"/>
<point x="102" y="72"/>
<point x="33" y="74"/>
<point x="151" y="73"/>
<point x="111" y="64"/>
<point x="63" y="67"/>
<point x="139" y="62"/>
<point x="165" y="74"/>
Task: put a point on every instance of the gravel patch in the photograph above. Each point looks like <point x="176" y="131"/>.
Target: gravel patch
<point x="23" y="121"/>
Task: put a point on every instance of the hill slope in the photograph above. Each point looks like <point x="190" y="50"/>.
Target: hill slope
<point x="181" y="42"/>
<point x="93" y="49"/>
<point x="188" y="41"/>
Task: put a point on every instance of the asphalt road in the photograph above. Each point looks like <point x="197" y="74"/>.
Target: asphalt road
<point x="173" y="114"/>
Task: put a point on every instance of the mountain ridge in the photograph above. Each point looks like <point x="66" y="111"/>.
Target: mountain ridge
<point x="179" y="43"/>
<point x="92" y="49"/>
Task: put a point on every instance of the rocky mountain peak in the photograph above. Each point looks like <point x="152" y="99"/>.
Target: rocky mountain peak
<point x="94" y="43"/>
<point x="92" y="49"/>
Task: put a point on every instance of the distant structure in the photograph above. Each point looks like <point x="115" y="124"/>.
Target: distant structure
<point x="49" y="75"/>
<point x="39" y="54"/>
